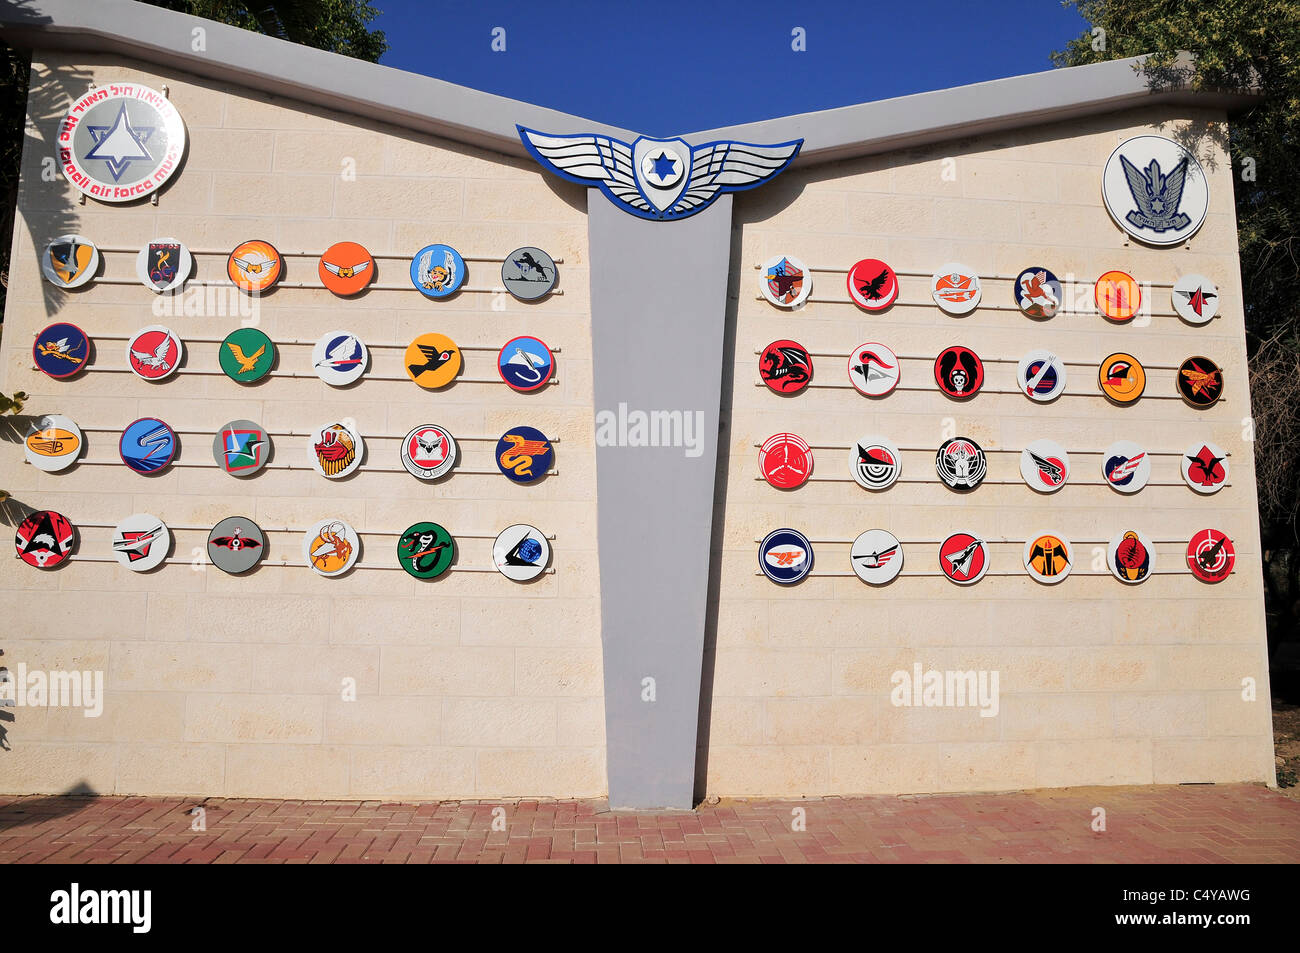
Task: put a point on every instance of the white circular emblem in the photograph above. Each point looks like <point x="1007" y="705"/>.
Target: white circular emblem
<point x="1125" y="466"/>
<point x="785" y="281"/>
<point x="1155" y="190"/>
<point x="1041" y="375"/>
<point x="1205" y="467"/>
<point x="1131" y="556"/>
<point x="69" y="261"/>
<point x="956" y="289"/>
<point x="53" y="443"/>
<point x="163" y="264"/>
<point x="663" y="167"/>
<point x="120" y="142"/>
<point x="331" y="547"/>
<point x="339" y="358"/>
<point x="428" y="452"/>
<point x="521" y="552"/>
<point x="873" y="369"/>
<point x="875" y="463"/>
<point x="336" y="450"/>
<point x="1196" y="299"/>
<point x="1045" y="466"/>
<point x="1048" y="558"/>
<point x="141" y="542"/>
<point x="877" y="556"/>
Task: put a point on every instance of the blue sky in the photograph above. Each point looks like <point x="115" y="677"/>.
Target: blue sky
<point x="663" y="67"/>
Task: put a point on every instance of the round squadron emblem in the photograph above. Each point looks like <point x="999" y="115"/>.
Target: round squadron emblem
<point x="331" y="547"/>
<point x="44" y="539"/>
<point x="1205" y="468"/>
<point x="1211" y="556"/>
<point x="1125" y="466"/>
<point x="1131" y="556"/>
<point x="69" y="261"/>
<point x="1048" y="558"/>
<point x="785" y="460"/>
<point x="525" y="363"/>
<point x="437" y="271"/>
<point x="959" y="372"/>
<point x="528" y="273"/>
<point x="524" y="454"/>
<point x="964" y="558"/>
<point x="1196" y="299"/>
<point x="141" y="542"/>
<point x="61" y="350"/>
<point x="336" y="450"/>
<point x="961" y="463"/>
<point x="428" y="452"/>
<point x="956" y="289"/>
<point x="785" y="281"/>
<point x="877" y="557"/>
<point x="254" y="266"/>
<point x="154" y="353"/>
<point x="432" y="360"/>
<point x="875" y="463"/>
<point x="1118" y="296"/>
<point x="1041" y="375"/>
<point x="241" y="447"/>
<point x="164" y="264"/>
<point x="1122" y="378"/>
<point x="1200" y="381"/>
<point x="785" y="556"/>
<point x="521" y="552"/>
<point x="873" y="286"/>
<point x="425" y="550"/>
<point x="873" y="369"/>
<point x="53" y="443"/>
<point x="1037" y="292"/>
<point x="246" y="355"/>
<point x="1045" y="466"/>
<point x="346" y="268"/>
<point x="236" y="545"/>
<point x="339" y="358"/>
<point x="147" y="445"/>
<point x="785" y="366"/>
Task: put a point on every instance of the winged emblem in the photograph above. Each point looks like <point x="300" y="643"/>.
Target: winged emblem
<point x="659" y="179"/>
<point x="1157" y="196"/>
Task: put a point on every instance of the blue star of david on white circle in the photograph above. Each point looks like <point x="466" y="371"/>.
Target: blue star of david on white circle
<point x="663" y="167"/>
<point x="117" y="145"/>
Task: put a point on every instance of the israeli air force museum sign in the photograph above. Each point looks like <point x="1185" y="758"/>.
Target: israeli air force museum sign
<point x="389" y="439"/>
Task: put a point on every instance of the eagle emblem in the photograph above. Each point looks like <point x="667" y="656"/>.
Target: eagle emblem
<point x="1157" y="196"/>
<point x="659" y="179"/>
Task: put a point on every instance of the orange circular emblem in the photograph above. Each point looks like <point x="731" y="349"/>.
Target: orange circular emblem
<point x="432" y="360"/>
<point x="254" y="266"/>
<point x="1118" y="295"/>
<point x="346" y="268"/>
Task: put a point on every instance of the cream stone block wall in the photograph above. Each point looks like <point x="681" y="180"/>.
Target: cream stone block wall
<point x="467" y="686"/>
<point x="1100" y="683"/>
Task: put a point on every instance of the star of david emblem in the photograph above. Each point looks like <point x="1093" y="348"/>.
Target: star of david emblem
<point x="119" y="144"/>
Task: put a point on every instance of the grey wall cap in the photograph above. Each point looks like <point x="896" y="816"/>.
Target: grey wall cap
<point x="980" y="108"/>
<point x="481" y="119"/>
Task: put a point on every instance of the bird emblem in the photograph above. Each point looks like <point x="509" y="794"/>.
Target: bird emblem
<point x="1157" y="196"/>
<point x="247" y="362"/>
<point x="344" y="354"/>
<point x="433" y="359"/>
<point x="620" y="169"/>
<point x="874" y="288"/>
<point x="60" y="349"/>
<point x="157" y="360"/>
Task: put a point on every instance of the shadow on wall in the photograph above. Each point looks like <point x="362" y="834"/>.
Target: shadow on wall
<point x="736" y="275"/>
<point x="34" y="810"/>
<point x="42" y="188"/>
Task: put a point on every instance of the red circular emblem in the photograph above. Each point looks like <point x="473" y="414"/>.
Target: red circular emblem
<point x="959" y="372"/>
<point x="44" y="539"/>
<point x="1211" y="556"/>
<point x="873" y="285"/>
<point x="786" y="367"/>
<point x="786" y="460"/>
<point x="964" y="558"/>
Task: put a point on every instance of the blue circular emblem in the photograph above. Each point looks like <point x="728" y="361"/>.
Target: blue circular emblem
<point x="525" y="363"/>
<point x="61" y="350"/>
<point x="524" y="454"/>
<point x="785" y="556"/>
<point x="148" y="445"/>
<point x="437" y="271"/>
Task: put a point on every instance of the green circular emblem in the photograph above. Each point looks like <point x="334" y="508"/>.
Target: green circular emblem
<point x="426" y="550"/>
<point x="247" y="355"/>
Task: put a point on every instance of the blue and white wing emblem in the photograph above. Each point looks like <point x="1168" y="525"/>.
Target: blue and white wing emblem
<point x="660" y="179"/>
<point x="590" y="160"/>
<point x="718" y="167"/>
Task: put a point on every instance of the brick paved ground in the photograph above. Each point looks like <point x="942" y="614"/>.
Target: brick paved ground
<point x="1236" y="823"/>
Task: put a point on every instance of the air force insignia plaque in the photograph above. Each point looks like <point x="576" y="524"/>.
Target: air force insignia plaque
<point x="1155" y="190"/>
<point x="659" y="179"/>
<point x="120" y="142"/>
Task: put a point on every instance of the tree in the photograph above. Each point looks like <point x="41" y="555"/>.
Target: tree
<point x="1239" y="44"/>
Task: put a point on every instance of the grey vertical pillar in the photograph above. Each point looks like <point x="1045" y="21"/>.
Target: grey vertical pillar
<point x="658" y="312"/>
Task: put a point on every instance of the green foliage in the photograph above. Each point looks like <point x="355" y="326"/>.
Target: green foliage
<point x="1237" y="44"/>
<point x="12" y="405"/>
<point x="339" y="26"/>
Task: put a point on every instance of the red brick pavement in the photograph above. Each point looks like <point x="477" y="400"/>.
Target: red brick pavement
<point x="1223" y="824"/>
